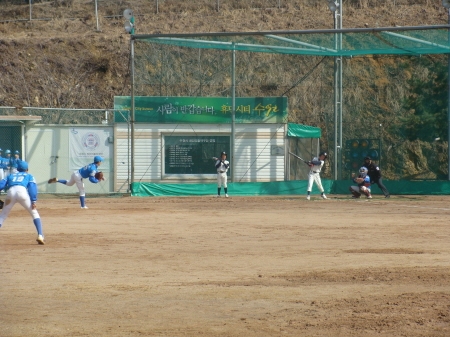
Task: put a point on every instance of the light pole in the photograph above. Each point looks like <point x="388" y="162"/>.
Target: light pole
<point x="335" y="7"/>
<point x="446" y="4"/>
<point x="129" y="28"/>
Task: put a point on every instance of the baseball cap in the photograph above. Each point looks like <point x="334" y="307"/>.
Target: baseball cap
<point x="98" y="159"/>
<point x="22" y="166"/>
<point x="367" y="158"/>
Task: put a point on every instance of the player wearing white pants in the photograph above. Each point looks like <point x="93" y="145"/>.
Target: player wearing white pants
<point x="77" y="179"/>
<point x="315" y="166"/>
<point x="222" y="165"/>
<point x="363" y="184"/>
<point x="22" y="189"/>
<point x="86" y="172"/>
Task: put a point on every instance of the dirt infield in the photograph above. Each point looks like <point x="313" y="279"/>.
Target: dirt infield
<point x="242" y="266"/>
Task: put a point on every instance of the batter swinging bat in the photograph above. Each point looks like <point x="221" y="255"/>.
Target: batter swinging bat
<point x="303" y="160"/>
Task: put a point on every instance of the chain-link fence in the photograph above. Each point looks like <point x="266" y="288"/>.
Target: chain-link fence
<point x="27" y="10"/>
<point x="71" y="116"/>
<point x="394" y="106"/>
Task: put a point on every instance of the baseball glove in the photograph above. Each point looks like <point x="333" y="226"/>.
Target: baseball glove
<point x="99" y="175"/>
<point x="359" y="180"/>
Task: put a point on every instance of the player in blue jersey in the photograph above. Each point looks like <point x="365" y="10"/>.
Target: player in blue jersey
<point x="22" y="189"/>
<point x="363" y="184"/>
<point x="3" y="169"/>
<point x="3" y="166"/>
<point x="77" y="177"/>
<point x="8" y="161"/>
<point x="15" y="161"/>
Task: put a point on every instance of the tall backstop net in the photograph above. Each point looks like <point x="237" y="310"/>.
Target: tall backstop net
<point x="378" y="92"/>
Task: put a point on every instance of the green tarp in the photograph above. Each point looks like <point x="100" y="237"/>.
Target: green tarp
<point x="303" y="131"/>
<point x="294" y="187"/>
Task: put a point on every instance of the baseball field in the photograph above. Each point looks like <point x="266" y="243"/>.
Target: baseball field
<point x="241" y="266"/>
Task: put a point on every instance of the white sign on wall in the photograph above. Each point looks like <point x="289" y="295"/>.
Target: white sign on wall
<point x="85" y="144"/>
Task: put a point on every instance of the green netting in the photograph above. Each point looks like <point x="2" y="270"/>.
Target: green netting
<point x="392" y="41"/>
<point x="395" y="103"/>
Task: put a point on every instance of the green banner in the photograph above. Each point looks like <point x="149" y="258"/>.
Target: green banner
<point x="206" y="110"/>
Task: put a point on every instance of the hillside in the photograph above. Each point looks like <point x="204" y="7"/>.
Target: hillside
<point x="61" y="60"/>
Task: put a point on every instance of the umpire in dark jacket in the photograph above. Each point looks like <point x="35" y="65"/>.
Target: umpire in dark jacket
<point x="375" y="175"/>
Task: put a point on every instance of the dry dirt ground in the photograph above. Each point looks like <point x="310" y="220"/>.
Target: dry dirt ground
<point x="242" y="266"/>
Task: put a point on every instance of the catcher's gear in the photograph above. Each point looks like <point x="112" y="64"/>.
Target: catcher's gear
<point x="363" y="171"/>
<point x="359" y="180"/>
<point x="1" y="204"/>
<point x="99" y="175"/>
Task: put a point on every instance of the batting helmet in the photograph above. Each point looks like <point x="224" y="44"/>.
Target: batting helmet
<point x="367" y="158"/>
<point x="8" y="152"/>
<point x="223" y="153"/>
<point x="22" y="166"/>
<point x="98" y="159"/>
<point x="363" y="171"/>
<point x="323" y="153"/>
<point x="1" y="150"/>
<point x="16" y="152"/>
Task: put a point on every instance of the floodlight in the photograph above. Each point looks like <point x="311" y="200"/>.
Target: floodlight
<point x="333" y="6"/>
<point x="128" y="26"/>
<point x="127" y="14"/>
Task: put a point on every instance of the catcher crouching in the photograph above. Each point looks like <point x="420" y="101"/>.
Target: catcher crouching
<point x="363" y="184"/>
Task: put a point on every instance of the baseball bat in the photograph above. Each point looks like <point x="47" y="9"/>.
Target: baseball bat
<point x="303" y="160"/>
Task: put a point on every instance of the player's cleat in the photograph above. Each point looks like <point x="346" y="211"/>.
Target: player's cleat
<point x="84" y="207"/>
<point x="324" y="196"/>
<point x="308" y="197"/>
<point x="226" y="195"/>
<point x="218" y="196"/>
<point x="40" y="240"/>
<point x="369" y="197"/>
<point x="52" y="180"/>
<point x="356" y="197"/>
<point x="387" y="196"/>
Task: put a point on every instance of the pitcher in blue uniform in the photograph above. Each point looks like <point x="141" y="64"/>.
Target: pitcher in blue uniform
<point x="86" y="172"/>
<point x="22" y="189"/>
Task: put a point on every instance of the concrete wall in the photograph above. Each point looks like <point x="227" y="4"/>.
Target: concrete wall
<point x="260" y="151"/>
<point x="47" y="152"/>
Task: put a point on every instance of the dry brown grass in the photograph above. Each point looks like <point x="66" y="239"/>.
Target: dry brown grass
<point x="61" y="60"/>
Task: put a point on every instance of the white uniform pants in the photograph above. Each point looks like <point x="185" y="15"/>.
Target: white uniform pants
<point x="314" y="177"/>
<point x="222" y="179"/>
<point x="359" y="189"/>
<point x="76" y="179"/>
<point x="17" y="194"/>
